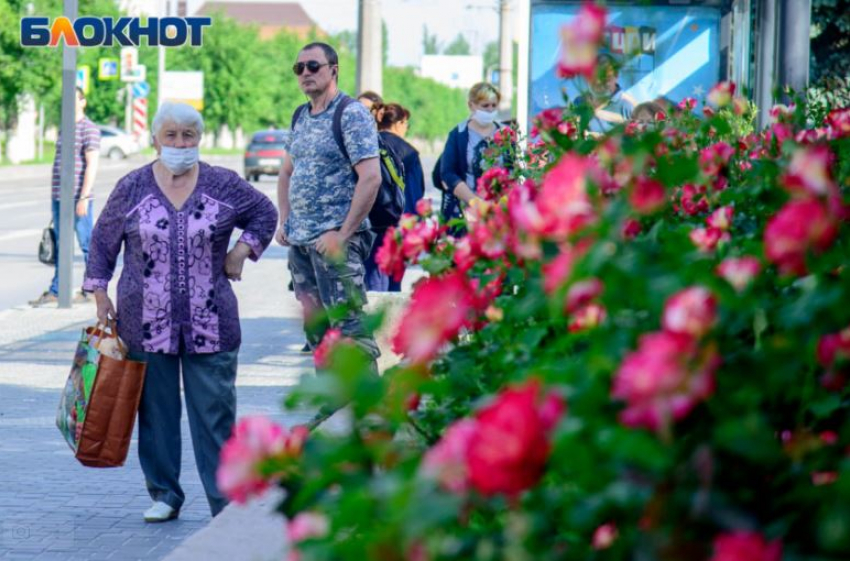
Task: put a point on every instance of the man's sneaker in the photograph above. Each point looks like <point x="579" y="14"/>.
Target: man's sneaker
<point x="44" y="299"/>
<point x="82" y="298"/>
<point x="306" y="350"/>
<point x="160" y="512"/>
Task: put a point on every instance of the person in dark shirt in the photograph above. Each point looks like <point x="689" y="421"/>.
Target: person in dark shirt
<point x="393" y="121"/>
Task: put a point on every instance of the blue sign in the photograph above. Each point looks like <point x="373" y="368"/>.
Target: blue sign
<point x="670" y="51"/>
<point x="141" y="90"/>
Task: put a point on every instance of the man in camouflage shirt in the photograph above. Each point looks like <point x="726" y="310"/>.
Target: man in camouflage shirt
<point x="324" y="200"/>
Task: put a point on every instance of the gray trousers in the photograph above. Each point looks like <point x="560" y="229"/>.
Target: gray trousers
<point x="322" y="284"/>
<point x="209" y="384"/>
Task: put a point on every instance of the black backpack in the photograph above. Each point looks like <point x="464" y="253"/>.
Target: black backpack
<point x="389" y="204"/>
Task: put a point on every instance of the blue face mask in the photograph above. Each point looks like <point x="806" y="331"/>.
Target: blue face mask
<point x="179" y="160"/>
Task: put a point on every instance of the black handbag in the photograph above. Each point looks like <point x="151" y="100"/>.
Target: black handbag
<point x="47" y="246"/>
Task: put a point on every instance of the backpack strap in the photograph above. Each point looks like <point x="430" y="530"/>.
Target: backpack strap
<point x="337" y="123"/>
<point x="297" y="115"/>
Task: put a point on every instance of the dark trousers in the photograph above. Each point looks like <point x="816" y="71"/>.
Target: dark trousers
<point x="375" y="280"/>
<point x="209" y="384"/>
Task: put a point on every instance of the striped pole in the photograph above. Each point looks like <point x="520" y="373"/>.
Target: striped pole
<point x="140" y="117"/>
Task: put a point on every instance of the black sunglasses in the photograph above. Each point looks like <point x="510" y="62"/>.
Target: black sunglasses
<point x="312" y="65"/>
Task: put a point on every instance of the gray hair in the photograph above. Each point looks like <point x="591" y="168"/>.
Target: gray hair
<point x="182" y="114"/>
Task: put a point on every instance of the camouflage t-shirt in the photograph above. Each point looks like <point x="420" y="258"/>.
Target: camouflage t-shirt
<point x="322" y="183"/>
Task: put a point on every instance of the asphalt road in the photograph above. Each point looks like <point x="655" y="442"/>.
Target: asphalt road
<point x="25" y="208"/>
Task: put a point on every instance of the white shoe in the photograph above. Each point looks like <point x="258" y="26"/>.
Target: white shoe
<point x="160" y="512"/>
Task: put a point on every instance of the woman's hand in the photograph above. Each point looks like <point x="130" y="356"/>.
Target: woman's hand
<point x="105" y="308"/>
<point x="234" y="260"/>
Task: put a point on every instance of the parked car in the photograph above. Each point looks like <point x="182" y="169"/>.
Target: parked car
<point x="264" y="155"/>
<point x="116" y="144"/>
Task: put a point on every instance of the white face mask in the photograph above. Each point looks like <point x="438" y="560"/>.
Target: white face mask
<point x="484" y="118"/>
<point x="179" y="160"/>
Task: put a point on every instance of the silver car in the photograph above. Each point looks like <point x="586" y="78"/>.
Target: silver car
<point x="116" y="144"/>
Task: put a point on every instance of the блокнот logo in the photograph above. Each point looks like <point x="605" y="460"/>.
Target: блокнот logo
<point x="126" y="31"/>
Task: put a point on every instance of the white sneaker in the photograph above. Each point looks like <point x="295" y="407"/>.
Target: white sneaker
<point x="160" y="512"/>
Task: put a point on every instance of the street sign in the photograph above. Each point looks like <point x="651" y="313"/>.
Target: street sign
<point x="184" y="87"/>
<point x="84" y="78"/>
<point x="107" y="69"/>
<point x="130" y="67"/>
<point x="141" y="90"/>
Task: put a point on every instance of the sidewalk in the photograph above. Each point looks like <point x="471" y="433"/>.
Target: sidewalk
<point x="53" y="508"/>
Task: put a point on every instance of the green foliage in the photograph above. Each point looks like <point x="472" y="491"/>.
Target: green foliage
<point x="458" y="46"/>
<point x="830" y="39"/>
<point x="435" y="109"/>
<point x="430" y="43"/>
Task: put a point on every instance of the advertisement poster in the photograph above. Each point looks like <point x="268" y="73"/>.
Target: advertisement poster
<point x="669" y="51"/>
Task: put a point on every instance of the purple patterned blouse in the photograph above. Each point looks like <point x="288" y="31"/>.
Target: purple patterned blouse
<point x="173" y="288"/>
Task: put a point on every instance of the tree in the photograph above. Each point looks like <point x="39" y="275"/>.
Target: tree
<point x="430" y="44"/>
<point x="830" y="38"/>
<point x="459" y="46"/>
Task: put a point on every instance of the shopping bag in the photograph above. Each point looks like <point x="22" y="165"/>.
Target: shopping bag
<point x="47" y="246"/>
<point x="98" y="406"/>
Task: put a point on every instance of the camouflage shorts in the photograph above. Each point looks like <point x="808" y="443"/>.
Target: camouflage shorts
<point x="323" y="285"/>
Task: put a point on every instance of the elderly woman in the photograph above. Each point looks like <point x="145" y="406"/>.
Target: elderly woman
<point x="176" y="308"/>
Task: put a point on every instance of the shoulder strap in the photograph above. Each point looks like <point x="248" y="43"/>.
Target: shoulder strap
<point x="295" y="116"/>
<point x="337" y="123"/>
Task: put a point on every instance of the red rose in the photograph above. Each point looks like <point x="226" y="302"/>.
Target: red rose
<point x="746" y="546"/>
<point x="510" y="447"/>
<point x="648" y="195"/>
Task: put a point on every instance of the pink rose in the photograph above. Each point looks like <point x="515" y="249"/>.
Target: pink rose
<point x="562" y="203"/>
<point x="631" y="229"/>
<point x="322" y="354"/>
<point x="715" y="158"/>
<point x="664" y="379"/>
<point x="692" y="311"/>
<point x="604" y="536"/>
<point x="304" y="526"/>
<point x="809" y="172"/>
<point x="390" y="258"/>
<point x="721" y="218"/>
<point x="255" y="439"/>
<point x="745" y="546"/>
<point x="721" y="94"/>
<point x="438" y="309"/>
<point x="693" y="200"/>
<point x="580" y="41"/>
<point x="739" y="272"/>
<point x="424" y="207"/>
<point x="838" y="123"/>
<point x="582" y="293"/>
<point x="445" y="462"/>
<point x="706" y="239"/>
<point x="587" y="317"/>
<point x="800" y="227"/>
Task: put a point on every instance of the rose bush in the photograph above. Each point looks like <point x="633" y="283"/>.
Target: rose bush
<point x="640" y="350"/>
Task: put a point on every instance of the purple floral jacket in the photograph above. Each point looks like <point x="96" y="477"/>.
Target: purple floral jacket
<point x="173" y="288"/>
